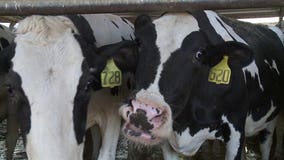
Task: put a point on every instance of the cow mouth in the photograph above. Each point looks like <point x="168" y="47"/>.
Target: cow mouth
<point x="144" y="123"/>
<point x="137" y="135"/>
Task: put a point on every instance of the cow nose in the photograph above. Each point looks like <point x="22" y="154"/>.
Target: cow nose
<point x="139" y="108"/>
<point x="143" y="108"/>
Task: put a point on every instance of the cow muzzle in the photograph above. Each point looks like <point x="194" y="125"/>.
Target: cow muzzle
<point x="145" y="121"/>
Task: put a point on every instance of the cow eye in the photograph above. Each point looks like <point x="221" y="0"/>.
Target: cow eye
<point x="93" y="70"/>
<point x="88" y="86"/>
<point x="139" y="44"/>
<point x="198" y="54"/>
<point x="9" y="89"/>
<point x="138" y="41"/>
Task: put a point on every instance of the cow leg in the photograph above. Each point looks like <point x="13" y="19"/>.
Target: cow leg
<point x="266" y="139"/>
<point x="168" y="152"/>
<point x="235" y="146"/>
<point x="234" y="138"/>
<point x="12" y="133"/>
<point x="97" y="141"/>
<point x="110" y="129"/>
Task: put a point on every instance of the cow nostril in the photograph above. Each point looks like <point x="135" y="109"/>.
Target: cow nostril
<point x="141" y="111"/>
<point x="9" y="89"/>
<point x="127" y="113"/>
<point x="158" y="111"/>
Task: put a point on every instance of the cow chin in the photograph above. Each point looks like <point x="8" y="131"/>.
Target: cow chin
<point x="146" y="123"/>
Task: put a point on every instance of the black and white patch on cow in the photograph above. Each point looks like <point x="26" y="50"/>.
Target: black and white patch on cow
<point x="181" y="99"/>
<point x="55" y="63"/>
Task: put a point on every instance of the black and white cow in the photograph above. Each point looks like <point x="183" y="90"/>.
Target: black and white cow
<point x="53" y="66"/>
<point x="203" y="76"/>
<point x="7" y="109"/>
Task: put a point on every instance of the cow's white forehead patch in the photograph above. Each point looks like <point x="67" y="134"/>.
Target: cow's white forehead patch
<point x="171" y="31"/>
<point x="50" y="71"/>
<point x="44" y="29"/>
<point x="153" y="97"/>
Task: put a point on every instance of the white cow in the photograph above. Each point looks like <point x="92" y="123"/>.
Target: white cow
<point x="56" y="65"/>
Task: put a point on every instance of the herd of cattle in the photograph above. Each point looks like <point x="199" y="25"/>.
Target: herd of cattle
<point x="175" y="81"/>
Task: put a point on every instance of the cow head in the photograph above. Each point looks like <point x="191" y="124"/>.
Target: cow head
<point x="52" y="67"/>
<point x="173" y="56"/>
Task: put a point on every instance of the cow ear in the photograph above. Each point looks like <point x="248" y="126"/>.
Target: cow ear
<point x="4" y="64"/>
<point x="239" y="54"/>
<point x="124" y="54"/>
<point x="4" y="43"/>
<point x="5" y="58"/>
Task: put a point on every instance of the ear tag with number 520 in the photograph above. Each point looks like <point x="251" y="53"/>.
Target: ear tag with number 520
<point x="111" y="76"/>
<point x="221" y="73"/>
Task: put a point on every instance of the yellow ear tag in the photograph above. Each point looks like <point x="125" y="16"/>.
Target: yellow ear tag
<point x="111" y="76"/>
<point x="221" y="73"/>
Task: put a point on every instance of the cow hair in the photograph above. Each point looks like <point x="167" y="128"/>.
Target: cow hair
<point x="45" y="28"/>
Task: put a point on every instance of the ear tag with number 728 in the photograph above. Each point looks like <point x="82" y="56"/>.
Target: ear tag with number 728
<point x="221" y="73"/>
<point x="111" y="76"/>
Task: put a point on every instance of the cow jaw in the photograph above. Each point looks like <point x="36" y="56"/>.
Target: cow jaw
<point x="146" y="121"/>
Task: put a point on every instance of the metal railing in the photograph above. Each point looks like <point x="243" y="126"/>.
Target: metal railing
<point x="27" y="7"/>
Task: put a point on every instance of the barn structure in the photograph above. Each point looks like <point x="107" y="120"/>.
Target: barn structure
<point x="11" y="11"/>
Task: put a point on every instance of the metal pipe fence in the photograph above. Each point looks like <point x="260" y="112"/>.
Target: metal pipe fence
<point x="27" y="7"/>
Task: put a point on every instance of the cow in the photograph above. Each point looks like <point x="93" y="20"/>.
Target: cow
<point x="203" y="76"/>
<point x="7" y="109"/>
<point x="54" y="71"/>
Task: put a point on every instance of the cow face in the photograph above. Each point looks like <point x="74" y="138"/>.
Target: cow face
<point x="50" y="80"/>
<point x="51" y="69"/>
<point x="172" y="53"/>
